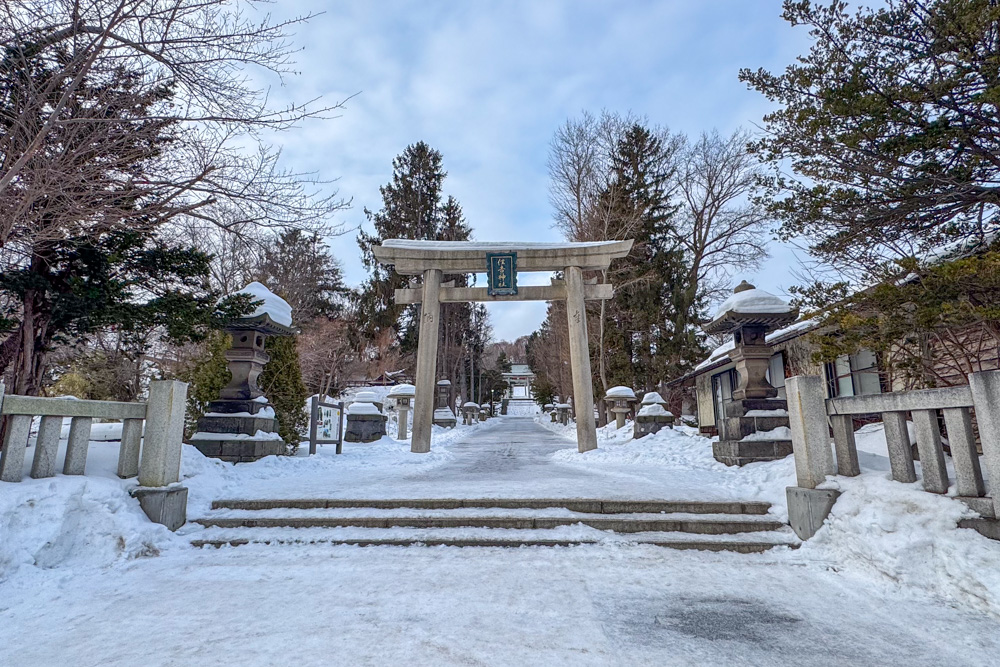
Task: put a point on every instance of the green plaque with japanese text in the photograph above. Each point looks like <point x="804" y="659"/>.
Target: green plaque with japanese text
<point x="501" y="273"/>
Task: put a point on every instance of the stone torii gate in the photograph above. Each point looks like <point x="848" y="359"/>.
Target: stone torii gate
<point x="501" y="262"/>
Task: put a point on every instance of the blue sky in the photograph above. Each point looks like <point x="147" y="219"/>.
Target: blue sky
<point x="487" y="83"/>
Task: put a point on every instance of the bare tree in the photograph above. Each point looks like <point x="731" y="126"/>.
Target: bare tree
<point x="138" y="116"/>
<point x="720" y="225"/>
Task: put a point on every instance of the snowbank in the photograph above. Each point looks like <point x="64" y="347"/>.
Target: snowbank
<point x="910" y="537"/>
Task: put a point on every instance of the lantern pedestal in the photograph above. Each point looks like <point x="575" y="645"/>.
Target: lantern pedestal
<point x="241" y="425"/>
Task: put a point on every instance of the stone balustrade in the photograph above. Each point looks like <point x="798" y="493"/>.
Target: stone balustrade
<point x="811" y="416"/>
<point x="152" y="454"/>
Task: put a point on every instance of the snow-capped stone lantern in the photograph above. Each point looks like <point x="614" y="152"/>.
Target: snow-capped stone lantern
<point x="365" y="421"/>
<point x="402" y="394"/>
<point x="620" y="399"/>
<point x="241" y="426"/>
<point x="562" y="409"/>
<point x="443" y="414"/>
<point x="652" y="416"/>
<point x="750" y="314"/>
<point x="483" y="413"/>
<point x="469" y="411"/>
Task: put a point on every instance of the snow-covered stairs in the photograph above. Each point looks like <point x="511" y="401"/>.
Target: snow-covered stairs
<point x="744" y="527"/>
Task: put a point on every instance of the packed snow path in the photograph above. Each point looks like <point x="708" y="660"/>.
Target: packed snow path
<point x="509" y="457"/>
<point x="593" y="605"/>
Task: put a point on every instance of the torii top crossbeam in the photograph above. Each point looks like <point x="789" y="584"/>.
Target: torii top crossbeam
<point x="414" y="257"/>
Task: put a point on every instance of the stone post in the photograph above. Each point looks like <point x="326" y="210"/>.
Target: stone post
<point x="579" y="352"/>
<point x="808" y="506"/>
<point x="985" y="388"/>
<point x="423" y="409"/>
<point x="160" y="497"/>
<point x="810" y="433"/>
<point x="160" y="464"/>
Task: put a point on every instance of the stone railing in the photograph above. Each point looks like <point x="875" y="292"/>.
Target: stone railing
<point x="153" y="457"/>
<point x="812" y="415"/>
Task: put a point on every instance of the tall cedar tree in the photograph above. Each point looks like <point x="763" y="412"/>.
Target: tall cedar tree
<point x="299" y="267"/>
<point x="414" y="207"/>
<point x="281" y="382"/>
<point x="890" y="126"/>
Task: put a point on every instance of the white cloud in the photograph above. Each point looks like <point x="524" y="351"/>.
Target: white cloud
<point x="487" y="83"/>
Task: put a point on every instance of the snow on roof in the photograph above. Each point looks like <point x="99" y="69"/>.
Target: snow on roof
<point x="470" y="404"/>
<point x="365" y="397"/>
<point x="273" y="305"/>
<point x="774" y="336"/>
<point x="620" y="392"/>
<point x="402" y="391"/>
<point x="753" y="301"/>
<point x="519" y="369"/>
<point x="417" y="244"/>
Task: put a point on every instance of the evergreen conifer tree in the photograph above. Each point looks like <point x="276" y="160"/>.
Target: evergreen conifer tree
<point x="281" y="381"/>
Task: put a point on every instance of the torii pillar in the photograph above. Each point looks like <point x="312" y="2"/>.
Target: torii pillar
<point x="433" y="259"/>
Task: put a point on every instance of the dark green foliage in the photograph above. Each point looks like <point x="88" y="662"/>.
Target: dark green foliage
<point x="206" y="375"/>
<point x="128" y="281"/>
<point x="299" y="267"/>
<point x="930" y="330"/>
<point x="414" y="207"/>
<point x="503" y="363"/>
<point x="544" y="390"/>
<point x="282" y="383"/>
<point x="890" y="124"/>
<point x="651" y="335"/>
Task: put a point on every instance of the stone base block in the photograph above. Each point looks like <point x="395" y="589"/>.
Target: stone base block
<point x="742" y="452"/>
<point x="986" y="527"/>
<point x="808" y="509"/>
<point x="245" y="425"/>
<point x="231" y="406"/>
<point x="740" y="408"/>
<point x="984" y="506"/>
<point x="239" y="451"/>
<point x="165" y="505"/>
<point x="644" y="426"/>
<point x="364" y="428"/>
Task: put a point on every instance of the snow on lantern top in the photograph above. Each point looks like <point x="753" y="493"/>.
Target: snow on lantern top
<point x="273" y="315"/>
<point x="402" y="391"/>
<point x="620" y="392"/>
<point x="749" y="306"/>
<point x="652" y="398"/>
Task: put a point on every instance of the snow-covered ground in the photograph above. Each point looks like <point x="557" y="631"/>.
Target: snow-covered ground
<point x="890" y="579"/>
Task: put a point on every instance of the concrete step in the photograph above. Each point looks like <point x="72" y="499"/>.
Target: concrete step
<point x="591" y="506"/>
<point x="735" y="546"/>
<point x="652" y="523"/>
<point x="487" y="537"/>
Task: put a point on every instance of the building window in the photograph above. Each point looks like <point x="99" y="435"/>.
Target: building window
<point x="853" y="375"/>
<point x="776" y="373"/>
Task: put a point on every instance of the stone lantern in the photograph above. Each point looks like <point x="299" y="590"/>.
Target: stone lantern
<point x="620" y="399"/>
<point x="403" y="395"/>
<point x="652" y="416"/>
<point x="469" y="411"/>
<point x="749" y="315"/>
<point x="365" y="421"/>
<point x="241" y="426"/>
<point x="562" y="409"/>
<point x="443" y="414"/>
<point x="483" y="414"/>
